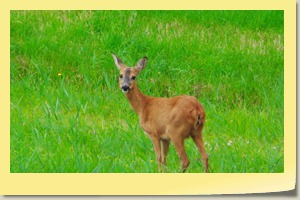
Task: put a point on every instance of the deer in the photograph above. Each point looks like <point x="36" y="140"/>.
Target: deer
<point x="164" y="119"/>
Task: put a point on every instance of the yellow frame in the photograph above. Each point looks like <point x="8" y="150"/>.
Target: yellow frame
<point x="150" y="184"/>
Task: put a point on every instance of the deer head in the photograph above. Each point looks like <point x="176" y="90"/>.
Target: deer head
<point x="128" y="75"/>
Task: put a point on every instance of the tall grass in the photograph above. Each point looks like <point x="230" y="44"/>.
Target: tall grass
<point x="68" y="114"/>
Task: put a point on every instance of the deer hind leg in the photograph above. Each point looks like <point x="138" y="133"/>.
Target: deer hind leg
<point x="200" y="145"/>
<point x="178" y="142"/>
<point x="165" y="147"/>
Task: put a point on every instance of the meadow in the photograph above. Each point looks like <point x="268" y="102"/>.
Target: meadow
<point x="68" y="114"/>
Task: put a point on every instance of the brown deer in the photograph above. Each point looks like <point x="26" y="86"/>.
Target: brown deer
<point x="164" y="119"/>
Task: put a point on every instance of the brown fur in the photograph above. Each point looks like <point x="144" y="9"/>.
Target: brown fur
<point x="166" y="119"/>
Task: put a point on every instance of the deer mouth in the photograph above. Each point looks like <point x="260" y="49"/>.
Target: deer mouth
<point x="125" y="91"/>
<point x="125" y="88"/>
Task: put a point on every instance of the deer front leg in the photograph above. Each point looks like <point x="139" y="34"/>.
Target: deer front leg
<point x="165" y="147"/>
<point x="156" y="145"/>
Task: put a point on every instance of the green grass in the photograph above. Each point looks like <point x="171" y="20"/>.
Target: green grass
<point x="68" y="114"/>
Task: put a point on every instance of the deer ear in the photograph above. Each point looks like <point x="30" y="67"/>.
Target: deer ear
<point x="141" y="64"/>
<point x="118" y="61"/>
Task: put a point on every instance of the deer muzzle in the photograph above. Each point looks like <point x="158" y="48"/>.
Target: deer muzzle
<point x="125" y="88"/>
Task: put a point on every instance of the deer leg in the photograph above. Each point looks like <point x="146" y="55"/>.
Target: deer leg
<point x="156" y="145"/>
<point x="165" y="147"/>
<point x="179" y="146"/>
<point x="200" y="145"/>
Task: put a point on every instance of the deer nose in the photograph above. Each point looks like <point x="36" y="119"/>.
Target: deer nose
<point x="125" y="87"/>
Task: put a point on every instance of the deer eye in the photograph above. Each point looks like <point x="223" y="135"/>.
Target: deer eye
<point x="133" y="78"/>
<point x="121" y="76"/>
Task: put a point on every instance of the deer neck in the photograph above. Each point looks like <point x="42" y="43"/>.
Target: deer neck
<point x="137" y="100"/>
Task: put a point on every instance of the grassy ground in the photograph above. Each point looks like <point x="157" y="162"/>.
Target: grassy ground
<point x="68" y="114"/>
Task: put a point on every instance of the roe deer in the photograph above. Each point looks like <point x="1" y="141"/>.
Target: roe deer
<point x="164" y="119"/>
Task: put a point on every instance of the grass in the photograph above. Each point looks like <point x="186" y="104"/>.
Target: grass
<point x="67" y="113"/>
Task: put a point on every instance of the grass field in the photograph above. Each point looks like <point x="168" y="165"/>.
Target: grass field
<point x="67" y="113"/>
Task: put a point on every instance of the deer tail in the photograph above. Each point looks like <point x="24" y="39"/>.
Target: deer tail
<point x="200" y="118"/>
